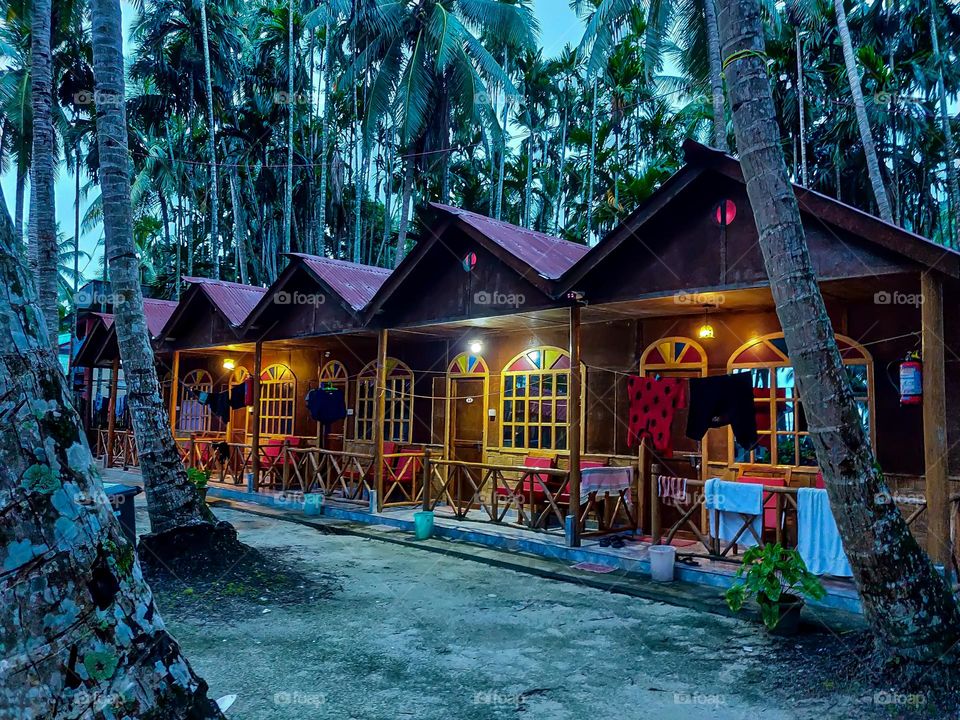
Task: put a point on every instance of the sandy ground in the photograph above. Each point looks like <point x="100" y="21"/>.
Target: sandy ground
<point x="399" y="632"/>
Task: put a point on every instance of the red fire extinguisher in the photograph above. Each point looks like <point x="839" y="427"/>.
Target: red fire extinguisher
<point x="911" y="380"/>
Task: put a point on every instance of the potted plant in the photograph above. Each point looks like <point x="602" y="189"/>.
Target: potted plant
<point x="199" y="478"/>
<point x="778" y="580"/>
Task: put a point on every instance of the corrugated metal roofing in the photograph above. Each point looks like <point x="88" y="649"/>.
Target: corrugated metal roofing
<point x="550" y="256"/>
<point x="234" y="300"/>
<point x="355" y="283"/>
<point x="105" y="318"/>
<point x="157" y="312"/>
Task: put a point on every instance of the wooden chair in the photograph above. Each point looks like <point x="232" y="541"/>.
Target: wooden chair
<point x="771" y="476"/>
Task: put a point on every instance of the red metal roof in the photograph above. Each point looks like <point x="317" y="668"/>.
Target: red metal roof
<point x="355" y="283"/>
<point x="550" y="256"/>
<point x="234" y="300"/>
<point x="105" y="318"/>
<point x="157" y="312"/>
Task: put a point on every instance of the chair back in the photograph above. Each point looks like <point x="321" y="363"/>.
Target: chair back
<point x="770" y="503"/>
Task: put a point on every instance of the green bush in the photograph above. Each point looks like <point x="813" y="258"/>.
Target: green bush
<point x="198" y="477"/>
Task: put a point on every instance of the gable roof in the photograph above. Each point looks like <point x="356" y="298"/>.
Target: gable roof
<point x="234" y="300"/>
<point x="158" y="312"/>
<point x="355" y="283"/>
<point x="701" y="159"/>
<point x="550" y="256"/>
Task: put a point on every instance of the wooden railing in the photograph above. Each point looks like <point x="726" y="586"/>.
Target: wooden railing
<point x="346" y="476"/>
<point x="124" y="448"/>
<point x="539" y="496"/>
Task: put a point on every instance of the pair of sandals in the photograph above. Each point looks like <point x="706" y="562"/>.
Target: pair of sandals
<point x="615" y="542"/>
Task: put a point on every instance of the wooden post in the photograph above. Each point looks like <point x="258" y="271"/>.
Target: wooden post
<point x="174" y="392"/>
<point x="427" y="470"/>
<point x="285" y="458"/>
<point x="254" y="482"/>
<point x="655" y="531"/>
<point x="112" y="411"/>
<point x="381" y="409"/>
<point x="573" y="423"/>
<point x="935" y="420"/>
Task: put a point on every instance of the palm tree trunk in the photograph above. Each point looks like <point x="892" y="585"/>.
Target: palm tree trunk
<point x="288" y="196"/>
<point x="211" y="131"/>
<point x="593" y="159"/>
<point x="907" y="603"/>
<point x="801" y="112"/>
<point x="239" y="224"/>
<point x="950" y="149"/>
<point x="324" y="143"/>
<point x="404" y="210"/>
<point x="76" y="253"/>
<point x="18" y="211"/>
<point x="563" y="158"/>
<point x="503" y="138"/>
<point x="43" y="220"/>
<point x="171" y="500"/>
<point x="716" y="76"/>
<point x="388" y="192"/>
<point x="863" y="123"/>
<point x="529" y="189"/>
<point x="92" y="569"/>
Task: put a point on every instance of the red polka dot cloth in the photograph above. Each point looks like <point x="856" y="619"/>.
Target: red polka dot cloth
<point x="653" y="402"/>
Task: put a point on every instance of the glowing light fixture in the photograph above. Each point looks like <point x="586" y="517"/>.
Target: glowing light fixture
<point x="476" y="347"/>
<point x="706" y="330"/>
<point x="229" y="364"/>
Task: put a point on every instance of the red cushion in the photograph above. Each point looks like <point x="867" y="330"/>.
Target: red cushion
<point x="770" y="504"/>
<point x="819" y="484"/>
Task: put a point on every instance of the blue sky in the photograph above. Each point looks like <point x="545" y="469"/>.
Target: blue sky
<point x="558" y="27"/>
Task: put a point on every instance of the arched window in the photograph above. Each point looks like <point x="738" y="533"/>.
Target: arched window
<point x="534" y="400"/>
<point x="398" y="402"/>
<point x="278" y="388"/>
<point x="781" y="422"/>
<point x="674" y="357"/>
<point x="192" y="416"/>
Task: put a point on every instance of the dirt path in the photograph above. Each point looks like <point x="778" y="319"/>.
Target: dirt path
<point x="392" y="632"/>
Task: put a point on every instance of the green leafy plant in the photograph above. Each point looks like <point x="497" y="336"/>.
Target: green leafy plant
<point x="198" y="477"/>
<point x="772" y="575"/>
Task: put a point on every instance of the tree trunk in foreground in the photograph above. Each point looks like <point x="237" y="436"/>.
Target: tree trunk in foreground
<point x="172" y="501"/>
<point x="43" y="222"/>
<point x="907" y="603"/>
<point x="214" y="198"/>
<point x="79" y="632"/>
<point x="863" y="122"/>
<point x="716" y="76"/>
<point x="405" y="198"/>
<point x="953" y="186"/>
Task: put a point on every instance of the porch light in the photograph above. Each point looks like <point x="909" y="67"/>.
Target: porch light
<point x="229" y="364"/>
<point x="706" y="330"/>
<point x="476" y="347"/>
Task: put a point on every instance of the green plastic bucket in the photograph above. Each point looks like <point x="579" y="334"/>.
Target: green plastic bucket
<point x="423" y="524"/>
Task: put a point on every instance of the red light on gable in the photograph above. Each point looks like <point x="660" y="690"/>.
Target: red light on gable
<point x="724" y="212"/>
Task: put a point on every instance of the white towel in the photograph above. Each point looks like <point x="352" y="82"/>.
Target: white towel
<point x="733" y="500"/>
<point x="818" y="540"/>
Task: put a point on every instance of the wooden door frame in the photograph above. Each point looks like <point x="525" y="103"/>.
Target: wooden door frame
<point x="448" y="419"/>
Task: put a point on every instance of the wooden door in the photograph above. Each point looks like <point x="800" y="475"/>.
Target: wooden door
<point x="468" y="410"/>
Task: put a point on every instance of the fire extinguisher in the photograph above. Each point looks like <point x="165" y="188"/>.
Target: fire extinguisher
<point x="911" y="380"/>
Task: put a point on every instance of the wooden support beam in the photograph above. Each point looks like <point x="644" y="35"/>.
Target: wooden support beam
<point x="935" y="420"/>
<point x="574" y="413"/>
<point x="112" y="411"/>
<point x="254" y="482"/>
<point x="174" y="392"/>
<point x="381" y="409"/>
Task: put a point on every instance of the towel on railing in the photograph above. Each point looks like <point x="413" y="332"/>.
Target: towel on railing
<point x="732" y="501"/>
<point x="818" y="540"/>
<point x="672" y="488"/>
<point x="606" y="479"/>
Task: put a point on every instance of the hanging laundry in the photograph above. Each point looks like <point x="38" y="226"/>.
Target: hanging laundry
<point x="723" y="400"/>
<point x="238" y="397"/>
<point x="202" y="397"/>
<point x="653" y="402"/>
<point x="672" y="488"/>
<point x="248" y="391"/>
<point x="736" y="504"/>
<point x="218" y="402"/>
<point x="327" y="405"/>
<point x="818" y="539"/>
<point x="223" y="451"/>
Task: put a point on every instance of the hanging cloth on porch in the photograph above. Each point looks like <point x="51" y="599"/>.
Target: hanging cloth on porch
<point x="653" y="402"/>
<point x="218" y="402"/>
<point x="248" y="391"/>
<point x="326" y="405"/>
<point x="818" y="539"/>
<point x="238" y="397"/>
<point x="723" y="400"/>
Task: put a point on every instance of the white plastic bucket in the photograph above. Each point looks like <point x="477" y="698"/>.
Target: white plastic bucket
<point x="662" y="558"/>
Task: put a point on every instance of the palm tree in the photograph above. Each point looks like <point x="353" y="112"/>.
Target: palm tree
<point x="212" y="133"/>
<point x="43" y="222"/>
<point x="909" y="605"/>
<point x="952" y="184"/>
<point x="94" y="568"/>
<point x="173" y="504"/>
<point x="863" y="122"/>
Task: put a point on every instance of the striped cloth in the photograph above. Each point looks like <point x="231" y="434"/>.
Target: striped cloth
<point x="607" y="479"/>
